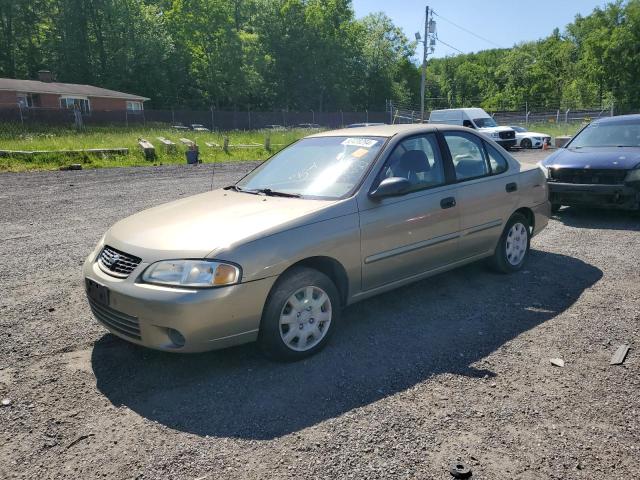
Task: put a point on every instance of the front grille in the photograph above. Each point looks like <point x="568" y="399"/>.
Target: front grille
<point x="588" y="176"/>
<point x="118" y="321"/>
<point x="117" y="263"/>
<point x="507" y="135"/>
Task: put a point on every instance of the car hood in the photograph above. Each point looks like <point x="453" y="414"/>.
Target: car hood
<point x="495" y="129"/>
<point x="615" y="158"/>
<point x="194" y="227"/>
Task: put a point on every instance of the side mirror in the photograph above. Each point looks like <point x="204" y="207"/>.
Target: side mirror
<point x="390" y="187"/>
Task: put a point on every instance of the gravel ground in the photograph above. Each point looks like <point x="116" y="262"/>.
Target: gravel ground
<point x="453" y="368"/>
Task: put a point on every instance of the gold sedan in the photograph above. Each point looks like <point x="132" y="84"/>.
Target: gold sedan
<point x="335" y="218"/>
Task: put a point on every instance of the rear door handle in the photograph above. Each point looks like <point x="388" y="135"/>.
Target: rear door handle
<point x="511" y="187"/>
<point x="448" y="202"/>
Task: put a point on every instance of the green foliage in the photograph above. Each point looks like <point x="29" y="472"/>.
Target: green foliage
<point x="297" y="54"/>
<point x="13" y="137"/>
<point x="310" y="55"/>
<point x="595" y="62"/>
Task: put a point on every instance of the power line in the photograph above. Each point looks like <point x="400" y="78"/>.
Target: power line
<point x="468" y="31"/>
<point x="450" y="46"/>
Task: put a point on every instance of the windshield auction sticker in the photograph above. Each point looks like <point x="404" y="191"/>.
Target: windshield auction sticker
<point x="361" y="152"/>
<point x="359" y="142"/>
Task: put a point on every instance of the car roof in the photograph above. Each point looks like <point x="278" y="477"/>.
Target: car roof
<point x="619" y="119"/>
<point x="386" y="130"/>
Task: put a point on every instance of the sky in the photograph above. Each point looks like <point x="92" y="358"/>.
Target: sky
<point x="501" y="23"/>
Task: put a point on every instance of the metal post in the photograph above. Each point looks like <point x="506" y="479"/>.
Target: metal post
<point x="611" y="108"/>
<point x="424" y="63"/>
<point x="212" y="124"/>
<point x="558" y="116"/>
<point x="526" y="113"/>
<point x="341" y="118"/>
<point x="390" y="112"/>
<point x="566" y="116"/>
<point x="366" y="115"/>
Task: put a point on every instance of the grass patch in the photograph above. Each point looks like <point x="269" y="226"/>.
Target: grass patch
<point x="14" y="137"/>
<point x="554" y="129"/>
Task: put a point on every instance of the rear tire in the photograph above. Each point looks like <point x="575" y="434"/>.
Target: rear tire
<point x="525" y="143"/>
<point x="513" y="247"/>
<point x="301" y="313"/>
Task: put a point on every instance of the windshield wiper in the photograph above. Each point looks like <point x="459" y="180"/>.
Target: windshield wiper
<point x="263" y="191"/>
<point x="236" y="188"/>
<point x="275" y="193"/>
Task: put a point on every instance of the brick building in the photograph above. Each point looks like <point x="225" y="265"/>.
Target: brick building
<point x="45" y="93"/>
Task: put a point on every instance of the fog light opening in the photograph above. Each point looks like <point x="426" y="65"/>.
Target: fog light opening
<point x="176" y="337"/>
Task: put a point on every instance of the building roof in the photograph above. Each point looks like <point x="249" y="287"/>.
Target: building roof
<point x="35" y="86"/>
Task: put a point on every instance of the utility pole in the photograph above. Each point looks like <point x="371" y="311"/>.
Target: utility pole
<point x="428" y="44"/>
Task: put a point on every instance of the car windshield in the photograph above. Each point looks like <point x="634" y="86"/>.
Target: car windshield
<point x="616" y="134"/>
<point x="485" y="122"/>
<point x="519" y="129"/>
<point x="324" y="167"/>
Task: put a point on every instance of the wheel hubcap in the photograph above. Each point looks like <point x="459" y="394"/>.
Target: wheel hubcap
<point x="305" y="318"/>
<point x="517" y="240"/>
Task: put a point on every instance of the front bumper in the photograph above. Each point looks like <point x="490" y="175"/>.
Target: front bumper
<point x="506" y="143"/>
<point x="594" y="195"/>
<point x="207" y="319"/>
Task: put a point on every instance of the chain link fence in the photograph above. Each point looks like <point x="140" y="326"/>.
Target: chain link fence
<point x="213" y="119"/>
<point x="398" y="112"/>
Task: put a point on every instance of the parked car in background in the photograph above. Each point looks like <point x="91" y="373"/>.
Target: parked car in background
<point x="477" y="119"/>
<point x="198" y="127"/>
<point x="527" y="139"/>
<point x="275" y="127"/>
<point x="179" y="126"/>
<point x="599" y="167"/>
<point x="309" y="125"/>
<point x="335" y="218"/>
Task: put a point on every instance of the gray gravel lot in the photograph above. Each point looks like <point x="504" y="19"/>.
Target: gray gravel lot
<point x="453" y="367"/>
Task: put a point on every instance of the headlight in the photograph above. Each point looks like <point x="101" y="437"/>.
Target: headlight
<point x="495" y="135"/>
<point x="192" y="273"/>
<point x="633" y="176"/>
<point x="537" y="139"/>
<point x="544" y="169"/>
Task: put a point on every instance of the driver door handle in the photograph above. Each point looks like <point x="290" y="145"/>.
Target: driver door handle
<point x="448" y="202"/>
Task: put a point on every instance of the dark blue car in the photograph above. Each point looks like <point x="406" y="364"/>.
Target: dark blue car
<point x="599" y="167"/>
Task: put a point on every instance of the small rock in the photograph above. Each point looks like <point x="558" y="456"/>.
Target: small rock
<point x="558" y="362"/>
<point x="6" y="402"/>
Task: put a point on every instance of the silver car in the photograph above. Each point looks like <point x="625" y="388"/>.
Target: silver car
<point x="335" y="218"/>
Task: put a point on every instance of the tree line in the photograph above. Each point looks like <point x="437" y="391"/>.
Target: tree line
<point x="594" y="62"/>
<point x="309" y="55"/>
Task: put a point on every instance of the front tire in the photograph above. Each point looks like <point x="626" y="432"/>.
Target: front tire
<point x="300" y="315"/>
<point x="513" y="247"/>
<point x="525" y="143"/>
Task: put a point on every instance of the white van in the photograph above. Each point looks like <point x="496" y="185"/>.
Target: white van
<point x="477" y="119"/>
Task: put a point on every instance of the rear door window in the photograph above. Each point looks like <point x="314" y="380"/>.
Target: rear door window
<point x="497" y="162"/>
<point x="467" y="154"/>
